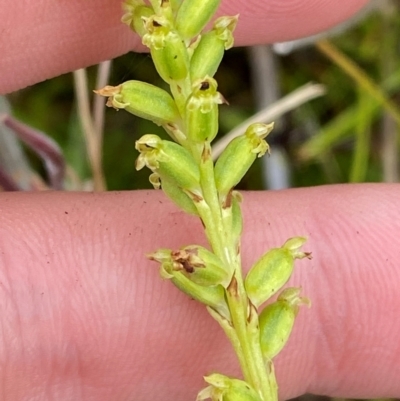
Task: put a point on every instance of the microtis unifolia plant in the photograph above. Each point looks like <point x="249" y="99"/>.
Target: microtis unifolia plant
<point x="187" y="57"/>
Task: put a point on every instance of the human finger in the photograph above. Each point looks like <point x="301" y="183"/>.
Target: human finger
<point x="44" y="39"/>
<point x="85" y="315"/>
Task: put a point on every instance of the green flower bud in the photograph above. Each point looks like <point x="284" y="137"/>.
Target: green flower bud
<point x="239" y="155"/>
<point x="176" y="194"/>
<point x="169" y="52"/>
<point x="169" y="160"/>
<point x="224" y="388"/>
<point x="273" y="270"/>
<point x="202" y="110"/>
<point x="277" y="320"/>
<point x="212" y="296"/>
<point x="211" y="47"/>
<point x="276" y="323"/>
<point x="134" y="11"/>
<point x="143" y="100"/>
<point x="193" y="16"/>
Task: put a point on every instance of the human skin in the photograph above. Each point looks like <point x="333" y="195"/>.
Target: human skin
<point x="85" y="315"/>
<point x="41" y="39"/>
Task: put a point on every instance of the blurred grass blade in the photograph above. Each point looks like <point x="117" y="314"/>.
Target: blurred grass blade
<point x="363" y="136"/>
<point x="93" y="140"/>
<point x="98" y="112"/>
<point x="342" y="127"/>
<point x="359" y="76"/>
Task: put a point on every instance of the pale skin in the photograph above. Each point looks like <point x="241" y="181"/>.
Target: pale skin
<point x="84" y="316"/>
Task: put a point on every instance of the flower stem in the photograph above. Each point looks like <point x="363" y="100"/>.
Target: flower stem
<point x="244" y="318"/>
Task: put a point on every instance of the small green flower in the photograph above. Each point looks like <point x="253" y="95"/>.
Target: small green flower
<point x="202" y="110"/>
<point x="224" y="388"/>
<point x="210" y="49"/>
<point x="273" y="270"/>
<point x="239" y="155"/>
<point x="143" y="100"/>
<point x="277" y="320"/>
<point x="212" y="296"/>
<point x="170" y="160"/>
<point x="168" y="51"/>
<point x="201" y="266"/>
<point x="134" y="11"/>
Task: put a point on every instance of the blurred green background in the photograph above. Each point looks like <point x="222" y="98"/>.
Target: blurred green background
<point x="348" y="135"/>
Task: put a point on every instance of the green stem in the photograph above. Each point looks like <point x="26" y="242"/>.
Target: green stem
<point x="246" y="339"/>
<point x="254" y="371"/>
<point x="214" y="225"/>
<point x="181" y="91"/>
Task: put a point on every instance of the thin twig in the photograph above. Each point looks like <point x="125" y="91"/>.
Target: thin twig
<point x="103" y="74"/>
<point x="92" y="141"/>
<point x="289" y="102"/>
<point x="265" y="82"/>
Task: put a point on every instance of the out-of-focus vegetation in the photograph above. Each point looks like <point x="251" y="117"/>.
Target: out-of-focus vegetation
<point x="349" y="135"/>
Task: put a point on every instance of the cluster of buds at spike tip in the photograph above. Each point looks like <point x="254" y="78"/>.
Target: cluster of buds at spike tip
<point x="210" y="47"/>
<point x="202" y="110"/>
<point x="277" y="319"/>
<point x="224" y="388"/>
<point x="239" y="155"/>
<point x="143" y="100"/>
<point x="271" y="272"/>
<point x="188" y="267"/>
<point x="168" y="51"/>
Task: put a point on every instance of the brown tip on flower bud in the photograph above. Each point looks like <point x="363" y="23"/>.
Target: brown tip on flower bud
<point x="108" y="91"/>
<point x="201" y="266"/>
<point x="212" y="295"/>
